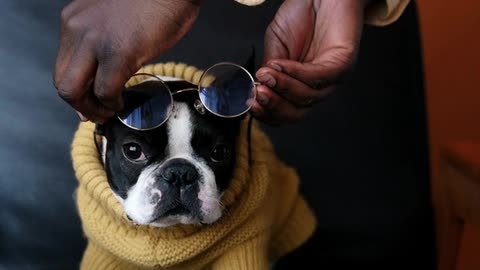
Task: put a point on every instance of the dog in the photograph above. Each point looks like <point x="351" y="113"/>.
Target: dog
<point x="174" y="174"/>
<point x="198" y="192"/>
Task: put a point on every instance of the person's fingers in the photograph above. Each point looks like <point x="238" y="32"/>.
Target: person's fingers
<point x="75" y="81"/>
<point x="273" y="109"/>
<point x="64" y="55"/>
<point x="291" y="89"/>
<point x="74" y="35"/>
<point x="81" y="116"/>
<point x="75" y="87"/>
<point x="274" y="47"/>
<point x="71" y="38"/>
<point x="318" y="74"/>
<point x="74" y="7"/>
<point x="93" y="110"/>
<point x="324" y="56"/>
<point x="61" y="66"/>
<point x="112" y="74"/>
<point x="289" y="31"/>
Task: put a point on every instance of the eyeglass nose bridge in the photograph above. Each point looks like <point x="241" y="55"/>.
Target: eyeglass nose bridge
<point x="171" y="109"/>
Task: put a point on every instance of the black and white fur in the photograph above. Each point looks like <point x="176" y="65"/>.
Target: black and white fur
<point x="190" y="142"/>
<point x="176" y="173"/>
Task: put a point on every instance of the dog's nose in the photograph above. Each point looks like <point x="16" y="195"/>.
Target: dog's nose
<point x="180" y="172"/>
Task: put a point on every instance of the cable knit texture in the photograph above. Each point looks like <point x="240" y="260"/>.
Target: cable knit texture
<point x="265" y="217"/>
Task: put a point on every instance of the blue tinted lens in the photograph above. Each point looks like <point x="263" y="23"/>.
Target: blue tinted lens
<point x="147" y="105"/>
<point x="227" y="90"/>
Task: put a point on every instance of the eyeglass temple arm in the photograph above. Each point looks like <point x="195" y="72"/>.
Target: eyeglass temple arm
<point x="98" y="134"/>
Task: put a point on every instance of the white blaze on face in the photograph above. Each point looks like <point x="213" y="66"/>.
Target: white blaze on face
<point x="143" y="197"/>
<point x="180" y="132"/>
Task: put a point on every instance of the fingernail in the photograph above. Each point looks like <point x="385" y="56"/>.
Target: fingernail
<point x="262" y="98"/>
<point x="267" y="79"/>
<point x="276" y="67"/>
<point x="82" y="118"/>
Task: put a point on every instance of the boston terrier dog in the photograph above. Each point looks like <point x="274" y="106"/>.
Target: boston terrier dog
<point x="176" y="173"/>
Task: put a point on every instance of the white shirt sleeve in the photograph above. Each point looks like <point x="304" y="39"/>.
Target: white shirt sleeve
<point x="250" y="2"/>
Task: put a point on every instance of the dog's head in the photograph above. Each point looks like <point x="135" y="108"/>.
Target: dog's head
<point x="176" y="173"/>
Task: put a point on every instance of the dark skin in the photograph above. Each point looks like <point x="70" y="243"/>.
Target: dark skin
<point x="309" y="46"/>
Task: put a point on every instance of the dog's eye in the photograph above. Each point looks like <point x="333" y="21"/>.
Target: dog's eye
<point x="221" y="152"/>
<point x="133" y="152"/>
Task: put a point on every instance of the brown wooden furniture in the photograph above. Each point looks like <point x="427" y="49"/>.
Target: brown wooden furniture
<point x="457" y="199"/>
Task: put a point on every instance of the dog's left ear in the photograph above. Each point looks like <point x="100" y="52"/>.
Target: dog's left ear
<point x="250" y="63"/>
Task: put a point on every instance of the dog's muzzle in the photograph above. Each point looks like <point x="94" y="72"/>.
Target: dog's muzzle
<point x="179" y="172"/>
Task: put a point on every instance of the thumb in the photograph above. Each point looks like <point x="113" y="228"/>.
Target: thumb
<point x="290" y="32"/>
<point x="274" y="47"/>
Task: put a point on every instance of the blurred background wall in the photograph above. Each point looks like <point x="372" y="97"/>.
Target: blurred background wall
<point x="451" y="45"/>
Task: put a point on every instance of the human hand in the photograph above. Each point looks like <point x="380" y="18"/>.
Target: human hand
<point x="309" y="46"/>
<point x="104" y="42"/>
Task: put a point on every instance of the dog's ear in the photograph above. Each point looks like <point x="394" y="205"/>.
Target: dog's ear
<point x="250" y="63"/>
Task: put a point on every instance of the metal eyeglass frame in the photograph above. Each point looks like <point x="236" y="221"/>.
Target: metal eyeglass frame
<point x="198" y="89"/>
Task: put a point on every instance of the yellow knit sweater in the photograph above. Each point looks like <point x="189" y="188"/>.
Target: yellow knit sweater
<point x="265" y="216"/>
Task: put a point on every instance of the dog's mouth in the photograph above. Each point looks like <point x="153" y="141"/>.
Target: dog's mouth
<point x="176" y="211"/>
<point x="173" y="212"/>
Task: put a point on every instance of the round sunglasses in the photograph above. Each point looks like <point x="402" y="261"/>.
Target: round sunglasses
<point x="225" y="89"/>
